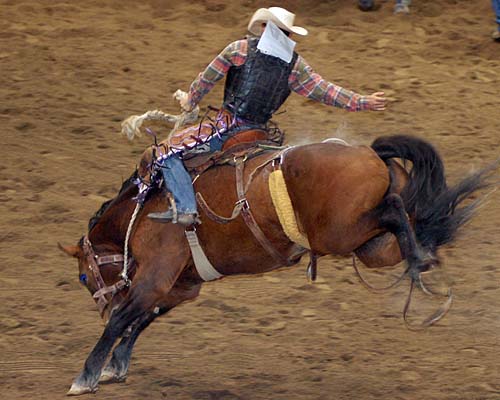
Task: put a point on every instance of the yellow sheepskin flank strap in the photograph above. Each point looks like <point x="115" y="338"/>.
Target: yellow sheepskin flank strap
<point x="284" y="209"/>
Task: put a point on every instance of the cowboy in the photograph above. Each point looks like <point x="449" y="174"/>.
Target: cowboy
<point x="261" y="71"/>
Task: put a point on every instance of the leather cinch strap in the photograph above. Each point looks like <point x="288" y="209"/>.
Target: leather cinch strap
<point x="250" y="220"/>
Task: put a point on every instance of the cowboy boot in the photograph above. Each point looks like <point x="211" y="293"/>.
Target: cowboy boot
<point x="178" y="182"/>
<point x="163" y="216"/>
<point x="183" y="219"/>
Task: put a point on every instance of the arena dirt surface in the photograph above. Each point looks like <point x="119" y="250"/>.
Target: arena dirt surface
<point x="71" y="71"/>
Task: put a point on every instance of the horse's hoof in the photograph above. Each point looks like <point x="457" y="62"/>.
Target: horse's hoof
<point x="77" y="390"/>
<point x="111" y="377"/>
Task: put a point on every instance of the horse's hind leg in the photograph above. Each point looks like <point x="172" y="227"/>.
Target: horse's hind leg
<point x="383" y="250"/>
<point x="117" y="368"/>
<point x="392" y="216"/>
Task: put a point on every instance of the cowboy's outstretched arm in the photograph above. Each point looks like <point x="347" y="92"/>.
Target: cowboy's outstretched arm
<point x="215" y="71"/>
<point x="304" y="81"/>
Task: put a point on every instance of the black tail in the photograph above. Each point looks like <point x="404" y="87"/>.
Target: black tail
<point x="436" y="207"/>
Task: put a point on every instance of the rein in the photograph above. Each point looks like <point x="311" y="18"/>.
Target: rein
<point x="123" y="274"/>
<point x="415" y="279"/>
<point x="94" y="262"/>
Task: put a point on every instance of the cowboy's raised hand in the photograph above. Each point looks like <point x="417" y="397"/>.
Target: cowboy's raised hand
<point x="377" y="101"/>
<point x="183" y="99"/>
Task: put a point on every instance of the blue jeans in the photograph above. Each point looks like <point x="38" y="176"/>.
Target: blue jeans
<point x="496" y="8"/>
<point x="177" y="179"/>
<point x="178" y="182"/>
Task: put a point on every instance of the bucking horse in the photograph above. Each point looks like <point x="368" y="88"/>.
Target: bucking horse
<point x="262" y="210"/>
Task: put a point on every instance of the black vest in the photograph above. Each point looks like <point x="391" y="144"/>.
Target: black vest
<point x="255" y="90"/>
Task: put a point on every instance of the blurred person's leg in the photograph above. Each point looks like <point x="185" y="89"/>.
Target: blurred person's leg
<point x="496" y="8"/>
<point x="366" y="5"/>
<point x="402" y="6"/>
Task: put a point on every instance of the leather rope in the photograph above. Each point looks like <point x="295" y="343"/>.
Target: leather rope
<point x="434" y="317"/>
<point x="213" y="215"/>
<point x="375" y="288"/>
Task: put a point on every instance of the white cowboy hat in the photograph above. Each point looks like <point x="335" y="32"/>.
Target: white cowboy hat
<point x="281" y="17"/>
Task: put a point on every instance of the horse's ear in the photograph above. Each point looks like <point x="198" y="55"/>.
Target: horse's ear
<point x="69" y="250"/>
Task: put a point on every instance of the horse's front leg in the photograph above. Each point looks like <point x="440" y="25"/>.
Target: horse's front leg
<point x="117" y="368"/>
<point x="87" y="381"/>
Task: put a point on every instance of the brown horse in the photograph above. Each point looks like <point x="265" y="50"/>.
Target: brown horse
<point x="346" y="199"/>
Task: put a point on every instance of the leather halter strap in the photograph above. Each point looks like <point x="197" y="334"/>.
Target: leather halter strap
<point x="250" y="220"/>
<point x="115" y="258"/>
<point x="94" y="262"/>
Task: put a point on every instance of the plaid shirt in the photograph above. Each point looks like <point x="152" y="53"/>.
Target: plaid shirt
<point x="302" y="80"/>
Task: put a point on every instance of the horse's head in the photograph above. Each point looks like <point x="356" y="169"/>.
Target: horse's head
<point x="101" y="261"/>
<point x="100" y="274"/>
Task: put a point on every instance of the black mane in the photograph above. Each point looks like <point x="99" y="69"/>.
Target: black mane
<point x="104" y="206"/>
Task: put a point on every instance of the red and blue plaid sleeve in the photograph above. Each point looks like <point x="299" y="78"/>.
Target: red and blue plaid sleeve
<point x="304" y="81"/>
<point x="234" y="54"/>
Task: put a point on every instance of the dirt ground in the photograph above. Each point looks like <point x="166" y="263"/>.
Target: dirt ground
<point x="71" y="71"/>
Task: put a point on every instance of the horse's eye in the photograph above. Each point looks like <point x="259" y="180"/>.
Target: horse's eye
<point x="83" y="279"/>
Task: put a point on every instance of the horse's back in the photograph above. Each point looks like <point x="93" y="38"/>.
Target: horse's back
<point x="331" y="187"/>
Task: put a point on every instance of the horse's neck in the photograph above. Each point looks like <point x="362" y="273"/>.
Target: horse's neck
<point x="111" y="229"/>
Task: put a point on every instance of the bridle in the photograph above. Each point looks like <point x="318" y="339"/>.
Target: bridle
<point x="95" y="262"/>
